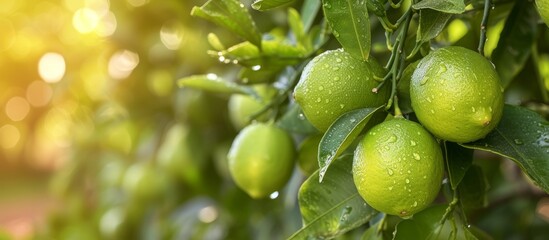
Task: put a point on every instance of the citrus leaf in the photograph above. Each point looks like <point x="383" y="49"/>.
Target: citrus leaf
<point x="421" y="225"/>
<point x="333" y="207"/>
<point x="294" y="121"/>
<point x="523" y="136"/>
<point x="447" y="6"/>
<point x="294" y="20"/>
<point x="232" y="15"/>
<point x="213" y="83"/>
<point x="515" y="42"/>
<point x="458" y="161"/>
<point x="373" y="233"/>
<point x="472" y="190"/>
<point x="309" y="10"/>
<point x="341" y="134"/>
<point x="274" y="53"/>
<point x="431" y="23"/>
<point x="264" y="5"/>
<point x="350" y="25"/>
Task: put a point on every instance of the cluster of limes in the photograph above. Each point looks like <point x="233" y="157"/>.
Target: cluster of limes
<point x="398" y="165"/>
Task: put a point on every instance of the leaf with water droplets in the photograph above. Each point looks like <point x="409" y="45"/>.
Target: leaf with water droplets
<point x="458" y="160"/>
<point x="213" y="83"/>
<point x="264" y="5"/>
<point x="351" y="25"/>
<point x="333" y="207"/>
<point x="232" y="15"/>
<point x="342" y="133"/>
<point x="447" y="6"/>
<point x="531" y="153"/>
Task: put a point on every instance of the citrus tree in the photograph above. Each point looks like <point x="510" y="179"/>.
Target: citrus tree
<point x="396" y="110"/>
<point x="288" y="119"/>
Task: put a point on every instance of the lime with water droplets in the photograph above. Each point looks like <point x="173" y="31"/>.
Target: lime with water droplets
<point x="398" y="167"/>
<point x="334" y="83"/>
<point x="456" y="94"/>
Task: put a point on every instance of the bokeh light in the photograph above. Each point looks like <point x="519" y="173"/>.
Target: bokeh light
<point x="17" y="108"/>
<point x="85" y="20"/>
<point x="122" y="63"/>
<point x="39" y="93"/>
<point x="9" y="136"/>
<point x="51" y="67"/>
<point x="171" y="35"/>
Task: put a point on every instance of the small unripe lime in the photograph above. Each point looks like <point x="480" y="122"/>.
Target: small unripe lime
<point x="261" y="159"/>
<point x="242" y="107"/>
<point x="456" y="94"/>
<point x="398" y="167"/>
<point x="307" y="158"/>
<point x="334" y="83"/>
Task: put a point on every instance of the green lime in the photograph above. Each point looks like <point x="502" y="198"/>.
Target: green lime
<point x="334" y="83"/>
<point x="398" y="167"/>
<point x="261" y="159"/>
<point x="456" y="94"/>
<point x="307" y="158"/>
<point x="242" y="107"/>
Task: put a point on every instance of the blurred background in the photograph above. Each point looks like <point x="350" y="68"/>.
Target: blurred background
<point x="97" y="141"/>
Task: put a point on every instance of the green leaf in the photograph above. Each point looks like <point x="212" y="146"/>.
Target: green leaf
<point x="431" y="23"/>
<point x="341" y="134"/>
<point x="333" y="207"/>
<point x="294" y="121"/>
<point x="214" y="41"/>
<point x="523" y="136"/>
<point x="472" y="190"/>
<point x="232" y="15"/>
<point x="275" y="53"/>
<point x="422" y="224"/>
<point x="350" y="25"/>
<point x="447" y="6"/>
<point x="309" y="10"/>
<point x="298" y="29"/>
<point x="373" y="233"/>
<point x="515" y="42"/>
<point x="458" y="161"/>
<point x="211" y="82"/>
<point x="263" y="5"/>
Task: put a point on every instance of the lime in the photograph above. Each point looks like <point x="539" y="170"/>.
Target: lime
<point x="334" y="83"/>
<point x="307" y="158"/>
<point x="398" y="167"/>
<point x="456" y="94"/>
<point x="243" y="107"/>
<point x="261" y="159"/>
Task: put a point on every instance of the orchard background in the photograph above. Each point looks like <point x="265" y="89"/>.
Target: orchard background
<point x="115" y="121"/>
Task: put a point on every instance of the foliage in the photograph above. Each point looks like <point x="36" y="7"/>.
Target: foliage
<point x="149" y="161"/>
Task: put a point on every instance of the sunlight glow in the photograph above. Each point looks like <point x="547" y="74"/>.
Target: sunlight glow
<point x="122" y="63"/>
<point x="51" y="67"/>
<point x="17" y="108"/>
<point x="9" y="136"/>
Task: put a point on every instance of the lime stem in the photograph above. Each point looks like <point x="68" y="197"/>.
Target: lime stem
<point x="484" y="26"/>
